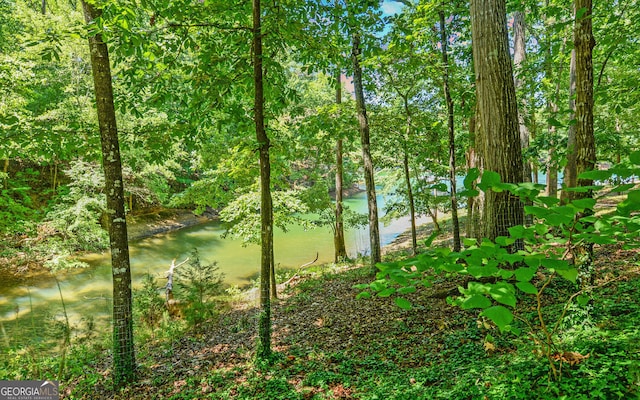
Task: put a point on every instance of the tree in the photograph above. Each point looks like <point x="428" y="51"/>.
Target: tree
<point x="451" y="129"/>
<point x="367" y="161"/>
<point x="340" y="248"/>
<point x="585" y="142"/>
<point x="123" y="351"/>
<point x="498" y="113"/>
<point x="266" y="206"/>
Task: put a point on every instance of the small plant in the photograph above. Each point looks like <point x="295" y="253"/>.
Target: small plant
<point x="197" y="284"/>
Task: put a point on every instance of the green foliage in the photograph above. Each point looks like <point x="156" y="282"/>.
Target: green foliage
<point x="76" y="217"/>
<point x="197" y="284"/>
<point x="557" y="232"/>
<point x="148" y="303"/>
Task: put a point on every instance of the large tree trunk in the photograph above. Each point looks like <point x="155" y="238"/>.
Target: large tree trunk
<point x="340" y="248"/>
<point x="374" y="233"/>
<point x="519" y="58"/>
<point x="124" y="370"/>
<point x="452" y="136"/>
<point x="498" y="112"/>
<point x="266" y="208"/>
<point x="585" y="140"/>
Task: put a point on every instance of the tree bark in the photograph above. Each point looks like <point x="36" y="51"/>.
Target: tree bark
<point x="374" y="233"/>
<point x="124" y="370"/>
<point x="569" y="179"/>
<point x="498" y="113"/>
<point x="585" y="141"/>
<point x="585" y="148"/>
<point x="266" y="209"/>
<point x="519" y="58"/>
<point x="340" y="248"/>
<point x="452" y="136"/>
<point x="407" y="178"/>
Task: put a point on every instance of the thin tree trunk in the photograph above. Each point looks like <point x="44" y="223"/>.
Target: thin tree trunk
<point x="452" y="136"/>
<point x="124" y="370"/>
<point x="5" y="169"/>
<point x="552" y="110"/>
<point x="519" y="58"/>
<point x="412" y="207"/>
<point x="374" y="233"/>
<point x="570" y="170"/>
<point x="340" y="248"/>
<point x="498" y="113"/>
<point x="266" y="209"/>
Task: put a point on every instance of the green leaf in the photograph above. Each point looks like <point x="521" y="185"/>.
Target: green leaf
<point x="525" y="274"/>
<point x="587" y="203"/>
<point x="500" y="316"/>
<point x="583" y="299"/>
<point x="475" y="301"/>
<point x="471" y="176"/>
<point x="387" y="292"/>
<point x="634" y="157"/>
<point x="489" y="179"/>
<point x="363" y="295"/>
<point x="403" y="303"/>
<point x="623" y="188"/>
<point x="503" y="293"/>
<point x="527" y="287"/>
<point x="407" y="290"/>
<point x="570" y="274"/>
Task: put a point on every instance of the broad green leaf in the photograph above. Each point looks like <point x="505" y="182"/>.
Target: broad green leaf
<point x="505" y="241"/>
<point x="527" y="287"/>
<point x="570" y="274"/>
<point x="596" y="175"/>
<point x="503" y="294"/>
<point x="624" y="187"/>
<point x="407" y="290"/>
<point x="475" y="301"/>
<point x="583" y="299"/>
<point x="363" y="295"/>
<point x="525" y="274"/>
<point x="634" y="157"/>
<point x="500" y="316"/>
<point x="582" y="204"/>
<point x="471" y="176"/>
<point x="489" y="179"/>
<point x="387" y="292"/>
<point x="403" y="303"/>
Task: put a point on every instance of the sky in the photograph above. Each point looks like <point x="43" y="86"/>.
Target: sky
<point x="391" y="7"/>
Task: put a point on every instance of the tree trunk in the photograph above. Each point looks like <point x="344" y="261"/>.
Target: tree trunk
<point x="266" y="209"/>
<point x="412" y="207"/>
<point x="5" y="169"/>
<point x="585" y="141"/>
<point x="374" y="233"/>
<point x="452" y="136"/>
<point x="585" y="148"/>
<point x="124" y="370"/>
<point x="498" y="113"/>
<point x="570" y="170"/>
<point x="340" y="248"/>
<point x="519" y="57"/>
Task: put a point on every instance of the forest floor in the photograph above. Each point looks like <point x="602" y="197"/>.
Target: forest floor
<point x="330" y="345"/>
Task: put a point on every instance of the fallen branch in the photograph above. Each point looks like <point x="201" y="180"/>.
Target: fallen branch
<point x="169" y="286"/>
<point x="300" y="269"/>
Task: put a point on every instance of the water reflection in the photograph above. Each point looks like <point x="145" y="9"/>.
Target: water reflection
<point x="87" y="292"/>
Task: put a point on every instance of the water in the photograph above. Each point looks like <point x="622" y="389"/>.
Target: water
<point x="36" y="306"/>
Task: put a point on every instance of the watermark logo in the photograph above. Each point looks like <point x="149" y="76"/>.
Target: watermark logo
<point x="29" y="390"/>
